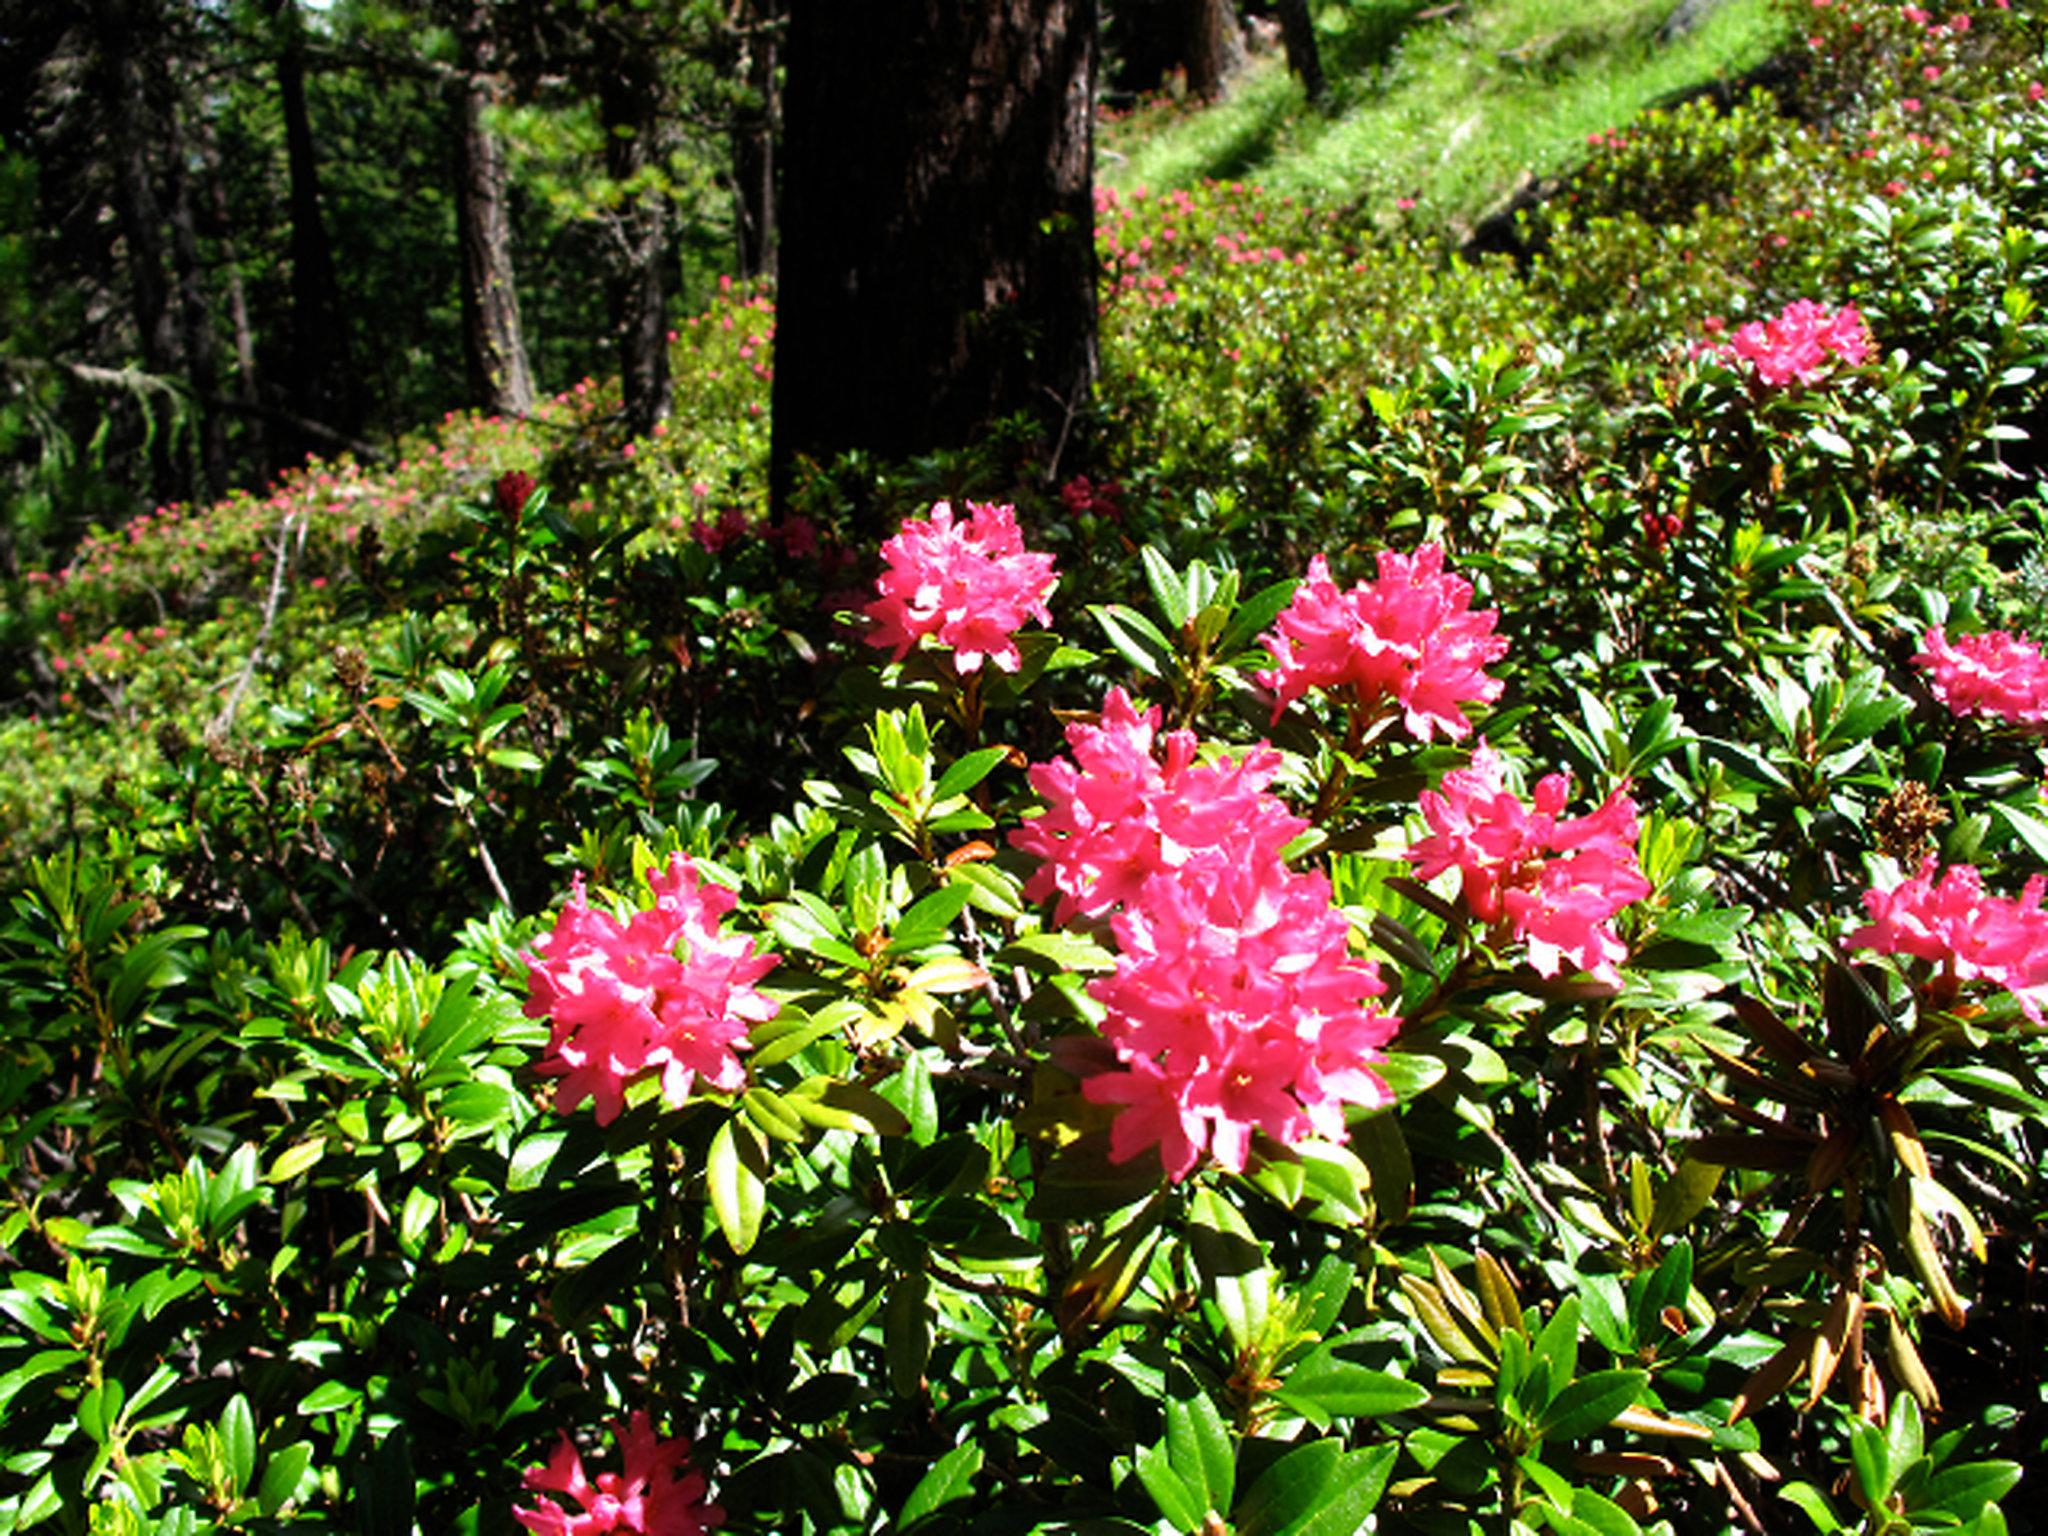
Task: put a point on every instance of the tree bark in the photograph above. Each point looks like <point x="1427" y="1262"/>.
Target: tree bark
<point x="1215" y="47"/>
<point x="248" y="383"/>
<point x="121" y="27"/>
<point x="938" y="258"/>
<point x="494" y="343"/>
<point x="1304" y="57"/>
<point x="753" y="140"/>
<point x="629" y="107"/>
<point x="195" y="313"/>
<point x="322" y="386"/>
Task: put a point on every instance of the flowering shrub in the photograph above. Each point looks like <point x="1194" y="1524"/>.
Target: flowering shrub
<point x="1965" y="932"/>
<point x="1552" y="882"/>
<point x="662" y="992"/>
<point x="1139" y="1135"/>
<point x="969" y="585"/>
<point x="653" y="1495"/>
<point x="1409" y="637"/>
<point x="1994" y="674"/>
<point x="1800" y="344"/>
<point x="1236" y="1004"/>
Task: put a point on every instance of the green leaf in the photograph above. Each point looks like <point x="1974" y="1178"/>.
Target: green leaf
<point x="1200" y="1448"/>
<point x="1964" y="1490"/>
<point x="1590" y="1403"/>
<point x="415" y="1217"/>
<point x="1233" y="1262"/>
<point x="1602" y="1516"/>
<point x="967" y="771"/>
<point x="1682" y="1197"/>
<point x="1169" y="591"/>
<point x="1814" y="1504"/>
<point x="1058" y="951"/>
<point x="1300" y="1488"/>
<point x="1323" y="1388"/>
<point x="927" y="921"/>
<point x="282" y="1474"/>
<point x="1254" y="616"/>
<point x="907" y="1332"/>
<point x="736" y="1172"/>
<point x="1170" y="1492"/>
<point x="238" y="1439"/>
<point x="1871" y="1460"/>
<point x="330" y="1397"/>
<point x="840" y="1106"/>
<point x="1135" y="638"/>
<point x="951" y="1477"/>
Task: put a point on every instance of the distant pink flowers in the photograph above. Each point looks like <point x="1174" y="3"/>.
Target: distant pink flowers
<point x="1801" y="343"/>
<point x="663" y="991"/>
<point x="968" y="585"/>
<point x="1954" y="924"/>
<point x="1410" y="636"/>
<point x="1236" y="1005"/>
<point x="654" y="1495"/>
<point x="1554" y="883"/>
<point x="1996" y="674"/>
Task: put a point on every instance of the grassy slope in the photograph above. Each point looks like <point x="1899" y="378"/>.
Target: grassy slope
<point x="1450" y="110"/>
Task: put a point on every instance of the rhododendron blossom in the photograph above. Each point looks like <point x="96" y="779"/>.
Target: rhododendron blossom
<point x="1954" y="924"/>
<point x="1235" y="1005"/>
<point x="1996" y="674"/>
<point x="1801" y="342"/>
<point x="1410" y="636"/>
<point x="1554" y="883"/>
<point x="664" y="990"/>
<point x="654" y="1494"/>
<point x="968" y="585"/>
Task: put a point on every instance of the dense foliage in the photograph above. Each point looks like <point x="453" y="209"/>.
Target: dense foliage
<point x="1440" y="927"/>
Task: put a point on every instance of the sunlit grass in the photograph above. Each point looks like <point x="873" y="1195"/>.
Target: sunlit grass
<point x="1450" y="110"/>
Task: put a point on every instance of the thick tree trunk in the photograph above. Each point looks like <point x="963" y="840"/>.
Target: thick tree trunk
<point x="1298" y="35"/>
<point x="494" y="344"/>
<point x="938" y="257"/>
<point x="1215" y="47"/>
<point x="753" y="139"/>
<point x="322" y="386"/>
<point x="629" y="99"/>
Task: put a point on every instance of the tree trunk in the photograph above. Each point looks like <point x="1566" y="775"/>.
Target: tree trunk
<point x="248" y="385"/>
<point x="629" y="103"/>
<point x="753" y="140"/>
<point x="322" y="385"/>
<point x="494" y="345"/>
<point x="1215" y="48"/>
<point x="137" y="209"/>
<point x="1298" y="34"/>
<point x="938" y="256"/>
<point x="195" y="314"/>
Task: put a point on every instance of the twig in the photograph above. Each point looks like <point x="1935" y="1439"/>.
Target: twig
<point x="226" y="718"/>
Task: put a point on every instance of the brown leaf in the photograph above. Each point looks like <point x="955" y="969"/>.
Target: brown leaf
<point x="1773" y="1376"/>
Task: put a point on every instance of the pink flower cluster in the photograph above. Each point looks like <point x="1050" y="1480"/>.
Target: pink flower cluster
<point x="1235" y="1004"/>
<point x="969" y="585"/>
<point x="653" y="1495"/>
<point x="1996" y="674"/>
<point x="1954" y="924"/>
<point x="1410" y="636"/>
<point x="1552" y="882"/>
<point x="1800" y="343"/>
<point x="664" y="990"/>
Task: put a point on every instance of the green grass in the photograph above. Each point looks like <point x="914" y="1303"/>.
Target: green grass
<point x="1451" y="111"/>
